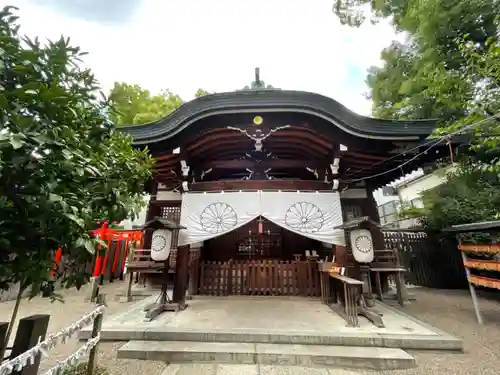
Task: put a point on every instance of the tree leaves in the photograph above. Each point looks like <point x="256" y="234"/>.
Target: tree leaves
<point x="63" y="168"/>
<point x="17" y="141"/>
<point x="448" y="68"/>
<point x="134" y="105"/>
<point x="470" y="195"/>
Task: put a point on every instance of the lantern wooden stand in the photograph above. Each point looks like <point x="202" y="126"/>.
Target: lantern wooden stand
<point x="161" y="243"/>
<point x="357" y="258"/>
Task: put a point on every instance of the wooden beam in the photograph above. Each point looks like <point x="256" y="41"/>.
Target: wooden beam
<point x="215" y="140"/>
<point x="260" y="185"/>
<point x="217" y="131"/>
<point x="165" y="157"/>
<point x="242" y="164"/>
<point x="293" y="149"/>
<point x="366" y="156"/>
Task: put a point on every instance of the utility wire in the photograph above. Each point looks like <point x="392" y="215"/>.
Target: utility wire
<point x="432" y="143"/>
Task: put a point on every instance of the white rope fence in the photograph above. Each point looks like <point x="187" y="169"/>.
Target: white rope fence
<point x="52" y="340"/>
<point x="73" y="359"/>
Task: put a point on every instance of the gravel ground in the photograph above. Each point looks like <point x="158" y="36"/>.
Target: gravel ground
<point x="75" y="306"/>
<point x="450" y="311"/>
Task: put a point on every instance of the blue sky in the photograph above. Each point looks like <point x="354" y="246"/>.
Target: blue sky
<point x="215" y="44"/>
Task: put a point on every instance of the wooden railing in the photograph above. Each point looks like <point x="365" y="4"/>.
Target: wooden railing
<point x="260" y="277"/>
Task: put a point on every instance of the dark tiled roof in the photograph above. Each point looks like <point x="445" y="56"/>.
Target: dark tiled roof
<point x="161" y="223"/>
<point x="357" y="222"/>
<point x="277" y="100"/>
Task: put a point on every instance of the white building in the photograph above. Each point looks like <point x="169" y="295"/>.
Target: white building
<point x="407" y="190"/>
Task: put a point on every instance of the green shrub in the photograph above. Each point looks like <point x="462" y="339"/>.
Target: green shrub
<point x="81" y="369"/>
<point x="470" y="195"/>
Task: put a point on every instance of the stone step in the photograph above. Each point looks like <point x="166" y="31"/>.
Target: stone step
<point x="268" y="354"/>
<point x="231" y="369"/>
<point x="368" y="339"/>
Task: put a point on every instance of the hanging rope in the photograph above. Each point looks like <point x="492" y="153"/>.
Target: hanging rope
<point x="29" y="356"/>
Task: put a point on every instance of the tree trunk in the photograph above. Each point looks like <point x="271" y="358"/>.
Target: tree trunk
<point x="12" y="321"/>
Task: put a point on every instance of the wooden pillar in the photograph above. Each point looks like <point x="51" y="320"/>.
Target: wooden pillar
<point x="341" y="254"/>
<point x="153" y="190"/>
<point x="181" y="276"/>
<point x="4" y="326"/>
<point x="150" y="215"/>
<point x="30" y="331"/>
<point x="370" y="209"/>
<point x="194" y="271"/>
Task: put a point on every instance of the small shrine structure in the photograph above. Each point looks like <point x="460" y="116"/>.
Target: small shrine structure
<point x="263" y="179"/>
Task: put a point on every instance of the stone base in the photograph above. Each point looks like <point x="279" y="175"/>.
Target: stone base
<point x="268" y="354"/>
<point x="272" y="320"/>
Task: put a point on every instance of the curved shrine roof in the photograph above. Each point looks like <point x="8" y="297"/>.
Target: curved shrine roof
<point x="275" y="100"/>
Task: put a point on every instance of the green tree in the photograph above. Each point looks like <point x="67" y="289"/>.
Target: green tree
<point x="444" y="70"/>
<point x="135" y="105"/>
<point x="470" y="195"/>
<point x="62" y="166"/>
<point x="200" y="92"/>
<point x="448" y="69"/>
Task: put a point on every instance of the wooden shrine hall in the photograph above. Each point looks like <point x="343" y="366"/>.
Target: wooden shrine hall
<point x="264" y="182"/>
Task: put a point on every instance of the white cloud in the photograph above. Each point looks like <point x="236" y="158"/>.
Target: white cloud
<point x="216" y="44"/>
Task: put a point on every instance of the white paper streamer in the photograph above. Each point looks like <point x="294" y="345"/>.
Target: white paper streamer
<point x="73" y="359"/>
<point x="28" y="357"/>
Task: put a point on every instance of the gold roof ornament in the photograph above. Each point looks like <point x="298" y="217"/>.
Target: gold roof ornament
<point x="258" y="120"/>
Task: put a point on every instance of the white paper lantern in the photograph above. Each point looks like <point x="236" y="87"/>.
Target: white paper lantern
<point x="362" y="245"/>
<point x="160" y="244"/>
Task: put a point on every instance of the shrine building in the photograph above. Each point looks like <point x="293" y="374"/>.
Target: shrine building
<point x="265" y="178"/>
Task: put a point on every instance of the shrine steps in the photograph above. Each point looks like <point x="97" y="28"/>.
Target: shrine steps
<point x="407" y="341"/>
<point x="181" y="352"/>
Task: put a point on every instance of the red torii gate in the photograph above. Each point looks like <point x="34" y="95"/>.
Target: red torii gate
<point x="106" y="234"/>
<point x="109" y="235"/>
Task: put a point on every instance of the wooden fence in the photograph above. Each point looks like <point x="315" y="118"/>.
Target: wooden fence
<point x="431" y="262"/>
<point x="261" y="277"/>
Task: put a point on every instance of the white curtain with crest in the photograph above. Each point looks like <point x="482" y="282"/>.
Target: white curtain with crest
<point x="209" y="215"/>
<point x="313" y="215"/>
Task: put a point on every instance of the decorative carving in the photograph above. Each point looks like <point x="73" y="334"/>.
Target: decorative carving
<point x="249" y="177"/>
<point x="258" y="174"/>
<point x="335" y="185"/>
<point x="257" y="84"/>
<point x="218" y="217"/>
<point x="204" y="173"/>
<point x="258" y="135"/>
<point x="334" y="167"/>
<point x="184" y="168"/>
<point x="267" y="175"/>
<point x="304" y="217"/>
<point x="314" y="171"/>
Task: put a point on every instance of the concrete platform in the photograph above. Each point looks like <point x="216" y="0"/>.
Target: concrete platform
<point x="230" y="369"/>
<point x="268" y="354"/>
<point x="272" y="320"/>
